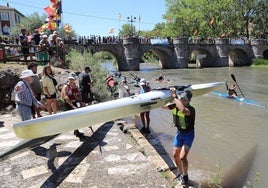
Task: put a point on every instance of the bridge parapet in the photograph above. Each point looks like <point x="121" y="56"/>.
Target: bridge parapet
<point x="220" y="52"/>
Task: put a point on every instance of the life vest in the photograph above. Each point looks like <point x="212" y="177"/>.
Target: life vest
<point x="182" y="122"/>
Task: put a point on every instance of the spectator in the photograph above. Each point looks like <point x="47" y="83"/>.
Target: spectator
<point x="49" y="89"/>
<point x="44" y="47"/>
<point x="36" y="41"/>
<point x="72" y="98"/>
<point x="85" y="86"/>
<point x="23" y="39"/>
<point x="24" y="96"/>
<point x="56" y="61"/>
<point x="36" y="88"/>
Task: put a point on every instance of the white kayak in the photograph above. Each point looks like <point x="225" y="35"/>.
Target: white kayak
<point x="103" y="112"/>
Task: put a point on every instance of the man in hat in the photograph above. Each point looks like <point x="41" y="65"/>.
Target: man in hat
<point x="24" y="97"/>
<point x="85" y="86"/>
<point x="184" y="120"/>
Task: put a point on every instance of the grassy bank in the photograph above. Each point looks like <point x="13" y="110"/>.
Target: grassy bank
<point x="262" y="63"/>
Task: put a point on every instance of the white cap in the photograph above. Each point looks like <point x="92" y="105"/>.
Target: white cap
<point x="142" y="82"/>
<point x="26" y="73"/>
<point x="71" y="77"/>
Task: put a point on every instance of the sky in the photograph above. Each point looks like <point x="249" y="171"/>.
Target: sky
<point x="98" y="17"/>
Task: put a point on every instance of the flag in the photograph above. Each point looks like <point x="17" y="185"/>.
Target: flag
<point x="67" y="28"/>
<point x="59" y="8"/>
<point x="52" y="26"/>
<point x="111" y="30"/>
<point x="211" y="21"/>
<point x="49" y="10"/>
<point x="120" y="16"/>
<point x="43" y="27"/>
<point x="195" y="32"/>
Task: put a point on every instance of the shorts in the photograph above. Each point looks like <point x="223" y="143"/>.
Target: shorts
<point x="182" y="138"/>
<point x="54" y="96"/>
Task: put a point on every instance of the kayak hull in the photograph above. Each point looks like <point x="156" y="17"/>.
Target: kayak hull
<point x="102" y="112"/>
<point x="239" y="99"/>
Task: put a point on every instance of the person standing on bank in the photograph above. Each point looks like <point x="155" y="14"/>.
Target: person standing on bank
<point x="85" y="86"/>
<point x="36" y="87"/>
<point x="71" y="97"/>
<point x="24" y="97"/>
<point x="184" y="120"/>
<point x="49" y="89"/>
<point x="145" y="116"/>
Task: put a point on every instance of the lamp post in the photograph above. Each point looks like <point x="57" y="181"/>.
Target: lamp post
<point x="131" y="20"/>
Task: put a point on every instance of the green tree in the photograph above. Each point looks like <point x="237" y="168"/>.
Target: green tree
<point x="30" y="23"/>
<point x="128" y="30"/>
<point x="215" y="18"/>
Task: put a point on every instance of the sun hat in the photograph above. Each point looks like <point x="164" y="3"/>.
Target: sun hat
<point x="142" y="82"/>
<point x="26" y="73"/>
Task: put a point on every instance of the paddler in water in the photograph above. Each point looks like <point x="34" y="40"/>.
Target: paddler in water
<point x="231" y="92"/>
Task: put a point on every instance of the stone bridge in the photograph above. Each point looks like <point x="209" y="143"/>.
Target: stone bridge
<point x="180" y="53"/>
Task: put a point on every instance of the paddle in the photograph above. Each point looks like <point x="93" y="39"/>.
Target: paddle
<point x="233" y="77"/>
<point x="227" y="88"/>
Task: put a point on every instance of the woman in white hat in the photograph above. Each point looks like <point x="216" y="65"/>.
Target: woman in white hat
<point x="24" y="97"/>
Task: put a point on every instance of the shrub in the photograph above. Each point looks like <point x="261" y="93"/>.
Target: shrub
<point x="257" y="62"/>
<point x="98" y="75"/>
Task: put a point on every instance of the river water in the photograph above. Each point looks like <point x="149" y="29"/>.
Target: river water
<point x="230" y="136"/>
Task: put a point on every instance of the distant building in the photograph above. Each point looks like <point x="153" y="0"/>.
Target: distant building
<point x="9" y="17"/>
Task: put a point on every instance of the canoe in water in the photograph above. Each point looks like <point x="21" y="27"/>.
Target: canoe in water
<point x="240" y="99"/>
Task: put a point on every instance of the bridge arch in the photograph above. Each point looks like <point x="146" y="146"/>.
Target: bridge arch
<point x="163" y="53"/>
<point x="238" y="57"/>
<point x="265" y="54"/>
<point x="116" y="50"/>
<point x="201" y="57"/>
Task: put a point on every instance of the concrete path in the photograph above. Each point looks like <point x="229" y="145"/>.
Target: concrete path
<point x="107" y="157"/>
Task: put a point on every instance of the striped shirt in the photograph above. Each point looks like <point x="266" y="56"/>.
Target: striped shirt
<point x="25" y="96"/>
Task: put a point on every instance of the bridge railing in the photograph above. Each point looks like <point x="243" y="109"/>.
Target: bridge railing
<point x="13" y="53"/>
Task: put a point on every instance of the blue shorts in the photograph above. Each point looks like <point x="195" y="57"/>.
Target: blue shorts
<point x="181" y="139"/>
